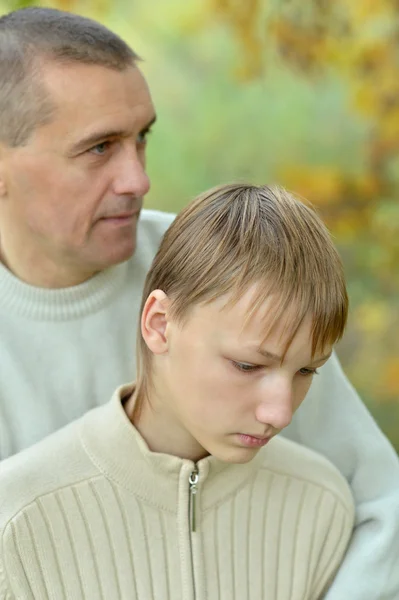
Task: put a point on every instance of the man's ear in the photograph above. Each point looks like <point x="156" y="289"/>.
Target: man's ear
<point x="154" y="321"/>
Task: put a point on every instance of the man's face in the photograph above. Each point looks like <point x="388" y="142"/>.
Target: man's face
<point x="75" y="190"/>
<point x="221" y="389"/>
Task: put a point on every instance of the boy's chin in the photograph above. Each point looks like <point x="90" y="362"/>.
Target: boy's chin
<point x="236" y="455"/>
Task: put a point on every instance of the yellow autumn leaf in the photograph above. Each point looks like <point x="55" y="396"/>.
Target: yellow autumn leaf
<point x="366" y="10"/>
<point x="390" y="380"/>
<point x="366" y="186"/>
<point x="321" y="185"/>
<point x="371" y="317"/>
<point x="365" y="99"/>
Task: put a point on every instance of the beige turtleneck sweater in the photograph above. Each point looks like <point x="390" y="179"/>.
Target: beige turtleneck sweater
<point x="90" y="513"/>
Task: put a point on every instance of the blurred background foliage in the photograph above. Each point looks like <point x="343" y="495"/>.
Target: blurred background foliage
<point x="301" y="93"/>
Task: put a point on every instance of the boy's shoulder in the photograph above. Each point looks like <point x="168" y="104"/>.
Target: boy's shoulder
<point x="287" y="459"/>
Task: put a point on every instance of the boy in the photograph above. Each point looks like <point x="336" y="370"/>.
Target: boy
<point x="175" y="488"/>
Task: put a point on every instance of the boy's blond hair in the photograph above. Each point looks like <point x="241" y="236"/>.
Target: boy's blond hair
<point x="235" y="236"/>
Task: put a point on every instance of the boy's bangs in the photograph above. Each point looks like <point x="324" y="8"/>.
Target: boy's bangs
<point x="328" y="313"/>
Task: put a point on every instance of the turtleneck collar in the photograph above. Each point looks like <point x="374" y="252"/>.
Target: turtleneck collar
<point x="122" y="455"/>
<point x="64" y="303"/>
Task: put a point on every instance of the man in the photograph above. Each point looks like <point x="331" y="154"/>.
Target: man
<point x="74" y="115"/>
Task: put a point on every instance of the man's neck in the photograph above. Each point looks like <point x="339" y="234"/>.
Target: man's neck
<point x="42" y="272"/>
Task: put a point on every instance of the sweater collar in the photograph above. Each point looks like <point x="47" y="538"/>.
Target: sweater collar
<point x="118" y="450"/>
<point x="63" y="303"/>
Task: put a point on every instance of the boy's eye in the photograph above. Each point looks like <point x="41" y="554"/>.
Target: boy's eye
<point x="245" y="367"/>
<point x="305" y="371"/>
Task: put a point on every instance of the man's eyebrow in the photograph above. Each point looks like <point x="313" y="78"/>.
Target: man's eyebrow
<point x="277" y="358"/>
<point x="97" y="136"/>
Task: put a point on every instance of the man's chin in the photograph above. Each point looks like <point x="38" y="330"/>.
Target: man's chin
<point x="120" y="254"/>
<point x="123" y="256"/>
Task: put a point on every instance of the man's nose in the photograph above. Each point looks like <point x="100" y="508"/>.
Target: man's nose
<point x="275" y="404"/>
<point x="130" y="175"/>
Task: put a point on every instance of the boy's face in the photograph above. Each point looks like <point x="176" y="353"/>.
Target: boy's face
<point x="221" y="389"/>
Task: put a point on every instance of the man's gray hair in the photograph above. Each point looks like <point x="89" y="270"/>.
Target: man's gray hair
<point x="31" y="36"/>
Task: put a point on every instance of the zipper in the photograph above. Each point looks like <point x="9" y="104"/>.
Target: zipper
<point x="193" y="489"/>
<point x="193" y="486"/>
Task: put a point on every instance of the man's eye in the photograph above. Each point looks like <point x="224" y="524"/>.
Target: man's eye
<point x="305" y="371"/>
<point x="100" y="148"/>
<point x="142" y="136"/>
<point x="245" y="367"/>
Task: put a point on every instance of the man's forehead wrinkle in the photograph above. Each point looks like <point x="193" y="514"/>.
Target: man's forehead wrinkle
<point x="76" y="83"/>
<point x="101" y="133"/>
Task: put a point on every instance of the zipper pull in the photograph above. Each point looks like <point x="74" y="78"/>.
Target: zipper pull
<point x="193" y="481"/>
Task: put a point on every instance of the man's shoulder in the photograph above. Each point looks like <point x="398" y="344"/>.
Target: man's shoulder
<point x="307" y="468"/>
<point x="57" y="462"/>
<point x="151" y="228"/>
<point x="155" y="221"/>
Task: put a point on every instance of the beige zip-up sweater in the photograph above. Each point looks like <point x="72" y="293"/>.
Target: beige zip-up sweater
<point x="64" y="351"/>
<point x="90" y="513"/>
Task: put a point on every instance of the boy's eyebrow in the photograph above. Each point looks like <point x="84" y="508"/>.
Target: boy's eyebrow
<point x="277" y="358"/>
<point x="270" y="355"/>
<point x="94" y="138"/>
<point x="326" y="357"/>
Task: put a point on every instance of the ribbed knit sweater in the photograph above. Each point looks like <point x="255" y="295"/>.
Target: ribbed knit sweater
<point x="91" y="513"/>
<point x="64" y="351"/>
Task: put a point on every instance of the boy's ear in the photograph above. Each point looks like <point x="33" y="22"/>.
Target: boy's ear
<point x="154" y="321"/>
<point x="3" y="187"/>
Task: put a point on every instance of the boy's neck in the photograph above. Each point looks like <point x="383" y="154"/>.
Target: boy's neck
<point x="160" y="430"/>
